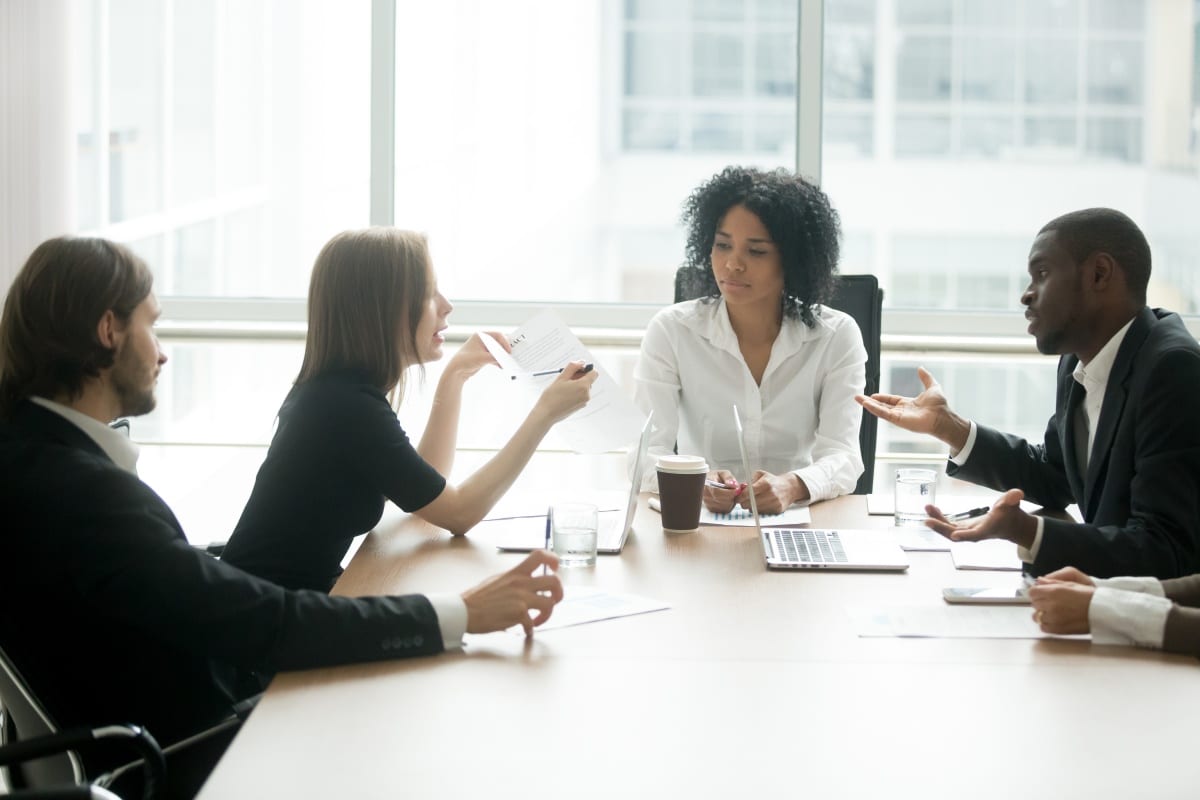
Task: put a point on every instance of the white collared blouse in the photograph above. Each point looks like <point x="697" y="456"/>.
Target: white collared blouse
<point x="801" y="419"/>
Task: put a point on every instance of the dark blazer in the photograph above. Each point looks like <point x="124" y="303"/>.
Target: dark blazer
<point x="1141" y="498"/>
<point x="112" y="617"/>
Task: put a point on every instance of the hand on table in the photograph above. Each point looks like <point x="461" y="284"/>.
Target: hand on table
<point x="722" y="500"/>
<point x="1061" y="606"/>
<point x="774" y="493"/>
<point x="506" y="599"/>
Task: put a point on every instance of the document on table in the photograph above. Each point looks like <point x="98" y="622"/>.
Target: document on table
<point x="949" y="622"/>
<point x="517" y="504"/>
<point x="741" y="518"/>
<point x="987" y="554"/>
<point x="583" y="604"/>
<point x="920" y="538"/>
<point x="609" y="421"/>
<point x="883" y="504"/>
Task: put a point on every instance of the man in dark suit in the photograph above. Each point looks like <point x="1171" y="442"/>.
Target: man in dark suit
<point x="109" y="614"/>
<point x="1124" y="441"/>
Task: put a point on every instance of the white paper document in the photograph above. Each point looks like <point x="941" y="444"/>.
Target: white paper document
<point x="583" y="604"/>
<point x="949" y="622"/>
<point x="741" y="518"/>
<point x="609" y="421"/>
<point x="919" y="538"/>
<point x="987" y="554"/>
<point x="535" y="504"/>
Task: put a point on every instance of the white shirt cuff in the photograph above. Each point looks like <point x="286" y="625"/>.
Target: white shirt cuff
<point x="1140" y="585"/>
<point x="816" y="491"/>
<point x="452" y="618"/>
<point x="1118" y="617"/>
<point x="1030" y="555"/>
<point x="961" y="456"/>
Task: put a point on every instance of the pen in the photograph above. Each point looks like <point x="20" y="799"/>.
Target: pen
<point x="718" y="485"/>
<point x="549" y="516"/>
<point x="584" y="371"/>
<point x="974" y="512"/>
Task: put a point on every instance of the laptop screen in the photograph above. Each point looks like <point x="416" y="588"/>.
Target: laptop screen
<point x="741" y="437"/>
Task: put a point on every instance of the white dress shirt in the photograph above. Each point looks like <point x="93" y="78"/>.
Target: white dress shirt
<point x="802" y="418"/>
<point x="116" y="445"/>
<point x="1093" y="376"/>
<point x="451" y="609"/>
<point x="1129" y="611"/>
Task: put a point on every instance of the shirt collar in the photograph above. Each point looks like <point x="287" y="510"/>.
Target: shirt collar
<point x="711" y="321"/>
<point x="1095" y="374"/>
<point x="115" y="444"/>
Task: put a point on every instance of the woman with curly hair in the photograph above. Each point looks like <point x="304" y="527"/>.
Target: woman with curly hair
<point x="761" y="258"/>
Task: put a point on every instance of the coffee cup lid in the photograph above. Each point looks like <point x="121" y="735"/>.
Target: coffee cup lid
<point x="684" y="465"/>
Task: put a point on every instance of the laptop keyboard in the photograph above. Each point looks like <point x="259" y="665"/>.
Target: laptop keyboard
<point x="809" y="547"/>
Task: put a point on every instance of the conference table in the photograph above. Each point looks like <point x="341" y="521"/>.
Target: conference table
<point x="754" y="683"/>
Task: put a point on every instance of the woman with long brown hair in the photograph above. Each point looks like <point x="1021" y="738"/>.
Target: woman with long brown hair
<point x="339" y="451"/>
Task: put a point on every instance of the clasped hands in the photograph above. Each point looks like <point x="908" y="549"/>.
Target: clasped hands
<point x="772" y="493"/>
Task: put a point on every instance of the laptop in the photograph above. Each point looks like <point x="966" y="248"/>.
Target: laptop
<point x="613" y="528"/>
<point x="811" y="548"/>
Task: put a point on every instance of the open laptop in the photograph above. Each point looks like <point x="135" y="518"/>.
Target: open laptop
<point x="811" y="548"/>
<point x="613" y="527"/>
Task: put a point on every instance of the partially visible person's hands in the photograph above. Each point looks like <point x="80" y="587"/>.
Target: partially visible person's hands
<point x="1006" y="520"/>
<point x="474" y="356"/>
<point x="928" y="412"/>
<point x="506" y="599"/>
<point x="1067" y="575"/>
<point x="568" y="393"/>
<point x="721" y="501"/>
<point x="773" y="493"/>
<point x="1061" y="607"/>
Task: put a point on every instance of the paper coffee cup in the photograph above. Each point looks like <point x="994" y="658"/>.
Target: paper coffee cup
<point x="681" y="491"/>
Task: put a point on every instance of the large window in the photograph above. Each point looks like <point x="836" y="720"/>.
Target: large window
<point x="225" y="140"/>
<point x="546" y="148"/>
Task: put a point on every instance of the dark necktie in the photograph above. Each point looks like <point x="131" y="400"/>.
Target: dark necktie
<point x="1081" y="432"/>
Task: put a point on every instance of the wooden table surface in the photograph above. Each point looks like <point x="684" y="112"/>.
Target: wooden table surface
<point x="753" y="684"/>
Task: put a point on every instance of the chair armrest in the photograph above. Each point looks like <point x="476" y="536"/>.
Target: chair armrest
<point x="151" y="755"/>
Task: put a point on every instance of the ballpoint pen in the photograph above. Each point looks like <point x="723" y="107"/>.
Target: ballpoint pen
<point x="549" y="517"/>
<point x="974" y="512"/>
<point x="718" y="485"/>
<point x="584" y="370"/>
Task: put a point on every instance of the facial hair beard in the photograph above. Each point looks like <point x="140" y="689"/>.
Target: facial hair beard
<point x="133" y="383"/>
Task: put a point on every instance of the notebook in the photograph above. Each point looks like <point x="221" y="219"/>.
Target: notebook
<point x="809" y="548"/>
<point x="613" y="529"/>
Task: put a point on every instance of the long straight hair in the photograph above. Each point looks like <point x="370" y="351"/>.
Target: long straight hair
<point x="365" y="300"/>
<point x="49" y="338"/>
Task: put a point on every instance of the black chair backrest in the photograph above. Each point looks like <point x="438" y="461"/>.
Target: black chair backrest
<point x="24" y="718"/>
<point x="861" y="298"/>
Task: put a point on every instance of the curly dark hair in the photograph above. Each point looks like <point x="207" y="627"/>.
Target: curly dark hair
<point x="797" y="214"/>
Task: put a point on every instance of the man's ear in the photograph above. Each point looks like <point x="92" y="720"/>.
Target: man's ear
<point x="1101" y="271"/>
<point x="109" y="329"/>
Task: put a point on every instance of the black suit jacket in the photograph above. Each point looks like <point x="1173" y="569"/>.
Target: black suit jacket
<point x="112" y="617"/>
<point x="1141" y="497"/>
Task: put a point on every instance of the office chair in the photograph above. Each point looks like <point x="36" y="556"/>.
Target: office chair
<point x="41" y="761"/>
<point x="861" y="298"/>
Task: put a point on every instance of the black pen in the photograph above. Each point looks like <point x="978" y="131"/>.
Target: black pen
<point x="974" y="512"/>
<point x="584" y="370"/>
<point x="549" y="516"/>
